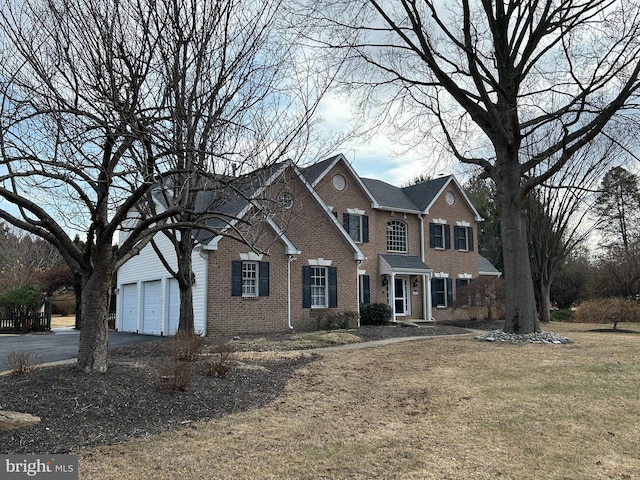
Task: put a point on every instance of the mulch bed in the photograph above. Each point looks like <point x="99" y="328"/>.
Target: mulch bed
<point x="81" y="411"/>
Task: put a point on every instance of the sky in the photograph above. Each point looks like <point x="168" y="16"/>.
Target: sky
<point x="381" y="157"/>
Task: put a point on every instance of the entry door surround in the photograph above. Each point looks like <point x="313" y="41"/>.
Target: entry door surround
<point x="402" y="296"/>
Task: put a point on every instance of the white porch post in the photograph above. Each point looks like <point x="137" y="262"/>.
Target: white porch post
<point x="392" y="296"/>
<point x="428" y="297"/>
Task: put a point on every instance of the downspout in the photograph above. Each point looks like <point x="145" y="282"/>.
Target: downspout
<point x="426" y="295"/>
<point x="426" y="311"/>
<point x="358" y="288"/>
<point x="291" y="259"/>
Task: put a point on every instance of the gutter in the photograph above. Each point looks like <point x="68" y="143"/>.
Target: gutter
<point x="291" y="259"/>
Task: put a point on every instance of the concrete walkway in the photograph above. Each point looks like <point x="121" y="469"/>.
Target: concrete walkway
<point x="387" y="341"/>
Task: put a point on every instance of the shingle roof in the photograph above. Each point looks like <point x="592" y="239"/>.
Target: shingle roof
<point x="424" y="193"/>
<point x="312" y="172"/>
<point x="486" y="267"/>
<point x="404" y="263"/>
<point x="388" y="196"/>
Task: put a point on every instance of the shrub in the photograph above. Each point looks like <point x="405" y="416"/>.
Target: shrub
<point x="563" y="315"/>
<point x="22" y="362"/>
<point x="337" y="320"/>
<point x="175" y="377"/>
<point x="20" y="304"/>
<point x="187" y="346"/>
<point x="220" y="361"/>
<point x="608" y="310"/>
<point x="375" y="314"/>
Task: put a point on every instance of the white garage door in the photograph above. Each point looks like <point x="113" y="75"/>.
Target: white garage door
<point x="152" y="308"/>
<point x="173" y="305"/>
<point x="129" y="307"/>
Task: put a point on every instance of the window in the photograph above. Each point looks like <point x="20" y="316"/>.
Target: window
<point x="339" y="182"/>
<point x="441" y="292"/>
<point x="319" y="287"/>
<point x="439" y="235"/>
<point x="396" y="236"/>
<point x="357" y="226"/>
<point x="249" y="279"/>
<point x="287" y="201"/>
<point x="463" y="238"/>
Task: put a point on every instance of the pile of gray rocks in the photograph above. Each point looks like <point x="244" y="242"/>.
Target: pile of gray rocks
<point x="499" y="336"/>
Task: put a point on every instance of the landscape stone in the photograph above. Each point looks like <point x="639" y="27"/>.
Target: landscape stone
<point x="10" y="420"/>
<point x="500" y="336"/>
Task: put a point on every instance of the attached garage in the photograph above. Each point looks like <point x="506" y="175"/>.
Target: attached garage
<point x="129" y="307"/>
<point x="152" y="308"/>
<point x="173" y="305"/>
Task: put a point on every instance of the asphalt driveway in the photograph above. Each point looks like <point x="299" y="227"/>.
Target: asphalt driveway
<point x="60" y="345"/>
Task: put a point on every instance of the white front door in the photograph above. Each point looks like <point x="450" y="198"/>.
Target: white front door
<point x="402" y="297"/>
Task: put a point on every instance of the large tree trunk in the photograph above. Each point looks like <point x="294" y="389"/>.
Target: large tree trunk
<point x="521" y="315"/>
<point x="544" y="302"/>
<point x="96" y="286"/>
<point x="185" y="281"/>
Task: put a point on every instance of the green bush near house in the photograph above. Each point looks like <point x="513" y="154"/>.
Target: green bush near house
<point x="20" y="305"/>
<point x="562" y="315"/>
<point x="375" y="314"/>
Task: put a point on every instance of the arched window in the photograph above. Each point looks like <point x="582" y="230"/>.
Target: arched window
<point x="396" y="236"/>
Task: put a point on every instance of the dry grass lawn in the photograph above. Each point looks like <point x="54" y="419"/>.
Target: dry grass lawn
<point x="66" y="321"/>
<point x="441" y="408"/>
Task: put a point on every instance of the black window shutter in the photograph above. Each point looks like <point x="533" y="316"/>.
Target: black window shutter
<point x="306" y="286"/>
<point x="236" y="278"/>
<point x="366" y="289"/>
<point x="333" y="287"/>
<point x="345" y="221"/>
<point x="263" y="290"/>
<point x="365" y="229"/>
<point x="432" y="236"/>
<point x="434" y="295"/>
<point x="470" y="238"/>
<point x="447" y="236"/>
<point x="456" y="239"/>
<point x="449" y="293"/>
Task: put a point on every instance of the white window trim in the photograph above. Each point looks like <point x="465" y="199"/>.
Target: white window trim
<point x="440" y="275"/>
<point x="443" y="276"/>
<point x="466" y="239"/>
<point x="251" y="257"/>
<point x="256" y="280"/>
<point x="406" y="236"/>
<point x="439" y="221"/>
<point x="441" y="225"/>
<point x="462" y="223"/>
<point x="319" y="262"/>
<point x="355" y="211"/>
<point x="326" y="287"/>
<point x="353" y="218"/>
<point x="466" y="276"/>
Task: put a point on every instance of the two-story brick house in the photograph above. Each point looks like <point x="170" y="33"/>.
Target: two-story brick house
<point x="334" y="241"/>
<point x="418" y="241"/>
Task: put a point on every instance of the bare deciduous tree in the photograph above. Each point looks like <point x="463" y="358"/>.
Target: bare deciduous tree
<point x="115" y="116"/>
<point x="234" y="100"/>
<point x="559" y="215"/>
<point x="515" y="88"/>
